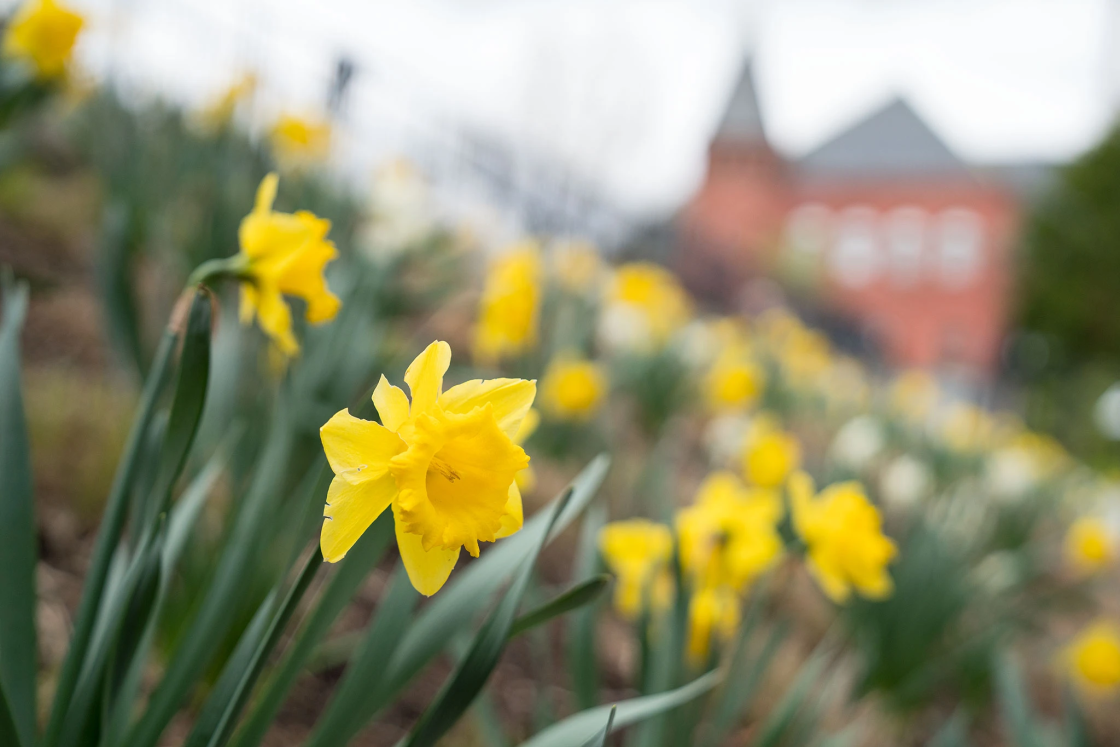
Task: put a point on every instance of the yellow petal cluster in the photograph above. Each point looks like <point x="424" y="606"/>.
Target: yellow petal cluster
<point x="914" y="394"/>
<point x="728" y="536"/>
<point x="284" y="254"/>
<point x="43" y="34"/>
<point x="733" y="383"/>
<point x="299" y="141"/>
<point x="769" y="454"/>
<point x="446" y="462"/>
<point x="577" y="266"/>
<point x="220" y="112"/>
<point x="637" y="551"/>
<point x="1093" y="658"/>
<point x="649" y="296"/>
<point x="510" y="303"/>
<point x="713" y="613"/>
<point x="1089" y="545"/>
<point x="573" y="389"/>
<point x="846" y="547"/>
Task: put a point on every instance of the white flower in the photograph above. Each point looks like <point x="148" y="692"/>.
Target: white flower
<point x="905" y="481"/>
<point x="857" y="443"/>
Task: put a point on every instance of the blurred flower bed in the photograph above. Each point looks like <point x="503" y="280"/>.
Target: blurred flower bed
<point x="861" y="558"/>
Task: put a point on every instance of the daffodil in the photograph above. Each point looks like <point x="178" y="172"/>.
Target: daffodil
<point x="733" y="383"/>
<point x="1089" y="545"/>
<point x="573" y="388"/>
<point x="220" y="112"/>
<point x="846" y="547"/>
<point x="43" y="34"/>
<point x="577" y="266"/>
<point x="637" y="551"/>
<point x="712" y="613"/>
<point x="914" y="394"/>
<point x="805" y="357"/>
<point x="1093" y="658"/>
<point x="299" y="141"/>
<point x="967" y="428"/>
<point x="446" y="463"/>
<point x="283" y="254"/>
<point x="510" y="303"/>
<point x="645" y="305"/>
<point x="769" y="454"/>
<point x="728" y="536"/>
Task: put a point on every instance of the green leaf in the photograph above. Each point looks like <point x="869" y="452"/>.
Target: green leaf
<point x="214" y="618"/>
<point x="574" y="598"/>
<point x="744" y="674"/>
<point x="352" y="571"/>
<point x="468" y="592"/>
<point x="575" y="730"/>
<point x="223" y="691"/>
<point x="781" y="721"/>
<point x="18" y="551"/>
<point x="1014" y="706"/>
<point x="582" y="660"/>
<point x="1076" y="730"/>
<point x="364" y="688"/>
<point x="186" y="408"/>
<point x="114" y="276"/>
<point x="470" y="676"/>
<point x="600" y="739"/>
<point x="954" y="733"/>
<point x="112" y="524"/>
<point x="8" y="734"/>
<point x="260" y="656"/>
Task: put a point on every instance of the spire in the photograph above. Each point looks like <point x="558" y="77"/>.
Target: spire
<point x="742" y="121"/>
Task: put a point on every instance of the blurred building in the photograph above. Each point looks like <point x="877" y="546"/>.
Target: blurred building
<point x="882" y="225"/>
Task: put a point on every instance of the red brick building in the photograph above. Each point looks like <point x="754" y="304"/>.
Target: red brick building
<point x="884" y="222"/>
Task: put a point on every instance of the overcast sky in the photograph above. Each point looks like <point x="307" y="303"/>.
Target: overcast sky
<point x="629" y="92"/>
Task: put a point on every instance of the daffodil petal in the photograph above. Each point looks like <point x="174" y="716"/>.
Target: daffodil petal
<point x="425" y="376"/>
<point x="428" y="570"/>
<point x="514" y="516"/>
<point x="248" y="307"/>
<point x="832" y="583"/>
<point x="276" y="320"/>
<point x="510" y="398"/>
<point x="358" y="450"/>
<point x="391" y="403"/>
<point x="266" y="193"/>
<point x="350" y="509"/>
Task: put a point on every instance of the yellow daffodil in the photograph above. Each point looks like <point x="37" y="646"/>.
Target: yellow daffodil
<point x="577" y="266"/>
<point x="446" y="462"/>
<point x="284" y="254"/>
<point x="573" y="389"/>
<point x="43" y="34"/>
<point x="220" y="112"/>
<point x="527" y="478"/>
<point x="645" y="305"/>
<point x="846" y="547"/>
<point x="967" y="428"/>
<point x="510" y="303"/>
<point x="769" y="455"/>
<point x="712" y="613"/>
<point x="733" y="383"/>
<point x="299" y="141"/>
<point x="914" y="394"/>
<point x="728" y="537"/>
<point x="1093" y="657"/>
<point x="1089" y="545"/>
<point x="637" y="551"/>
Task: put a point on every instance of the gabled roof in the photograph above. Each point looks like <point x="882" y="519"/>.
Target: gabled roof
<point x="742" y="121"/>
<point x="892" y="142"/>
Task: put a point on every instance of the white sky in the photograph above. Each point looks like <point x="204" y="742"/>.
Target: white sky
<point x="629" y="92"/>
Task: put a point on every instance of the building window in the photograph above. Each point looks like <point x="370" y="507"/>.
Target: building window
<point x="855" y="260"/>
<point x="960" y="247"/>
<point x="904" y="230"/>
<point x="809" y="230"/>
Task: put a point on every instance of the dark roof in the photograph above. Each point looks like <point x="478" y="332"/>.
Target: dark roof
<point x="1028" y="179"/>
<point x="741" y="119"/>
<point x="892" y="142"/>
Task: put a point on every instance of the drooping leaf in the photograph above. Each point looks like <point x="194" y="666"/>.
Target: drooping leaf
<point x="575" y="730"/>
<point x="18" y="552"/>
<point x="580" y="653"/>
<point x="600" y="739"/>
<point x="578" y="596"/>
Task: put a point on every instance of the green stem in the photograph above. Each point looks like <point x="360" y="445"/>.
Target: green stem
<point x="235" y="268"/>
